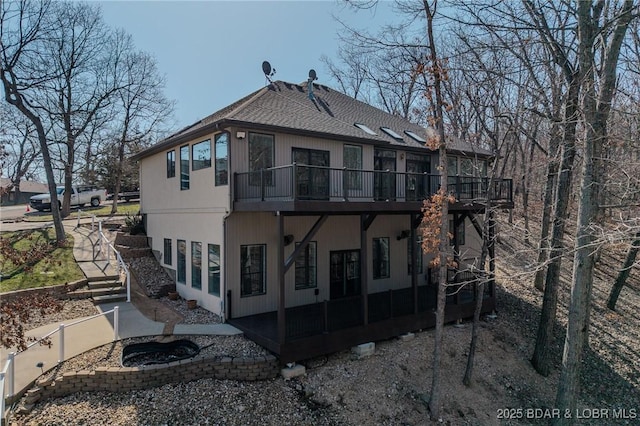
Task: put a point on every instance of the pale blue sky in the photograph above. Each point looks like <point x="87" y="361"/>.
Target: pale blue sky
<point x="211" y="52"/>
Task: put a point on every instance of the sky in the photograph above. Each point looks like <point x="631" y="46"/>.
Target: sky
<point x="211" y="52"/>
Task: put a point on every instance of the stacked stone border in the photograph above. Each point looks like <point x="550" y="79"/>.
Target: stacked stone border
<point x="124" y="379"/>
<point x="61" y="291"/>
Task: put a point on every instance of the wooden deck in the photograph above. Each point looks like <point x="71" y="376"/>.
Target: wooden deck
<point x="330" y="326"/>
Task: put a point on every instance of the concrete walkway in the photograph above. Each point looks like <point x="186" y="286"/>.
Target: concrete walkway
<point x="91" y="333"/>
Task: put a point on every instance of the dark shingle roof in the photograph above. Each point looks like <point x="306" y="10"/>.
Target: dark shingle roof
<point x="287" y="107"/>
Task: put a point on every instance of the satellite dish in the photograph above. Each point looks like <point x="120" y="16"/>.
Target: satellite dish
<point x="266" y="67"/>
<point x="312" y="74"/>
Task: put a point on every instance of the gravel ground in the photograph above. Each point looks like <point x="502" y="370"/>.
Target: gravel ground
<point x="390" y="387"/>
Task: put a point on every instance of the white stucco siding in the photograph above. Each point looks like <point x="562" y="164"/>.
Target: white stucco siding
<point x="205" y="228"/>
<point x="471" y="250"/>
<point x="337" y="233"/>
<point x="162" y="194"/>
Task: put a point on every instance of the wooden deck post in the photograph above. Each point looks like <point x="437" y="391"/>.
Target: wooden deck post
<point x="363" y="269"/>
<point x="282" y="325"/>
<point x="414" y="263"/>
<point x="492" y="251"/>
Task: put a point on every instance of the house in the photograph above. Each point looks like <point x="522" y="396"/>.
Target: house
<point x="11" y="196"/>
<point x="294" y="213"/>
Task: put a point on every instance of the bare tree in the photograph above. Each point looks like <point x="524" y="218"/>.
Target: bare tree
<point x="23" y="30"/>
<point x="623" y="275"/>
<point x="21" y="146"/>
<point x="86" y="55"/>
<point x="609" y="27"/>
<point x="141" y="108"/>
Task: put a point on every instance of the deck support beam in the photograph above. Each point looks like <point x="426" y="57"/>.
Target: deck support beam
<point x="414" y="260"/>
<point x="491" y="248"/>
<point x="282" y="329"/>
<point x="305" y="241"/>
<point x="365" y="222"/>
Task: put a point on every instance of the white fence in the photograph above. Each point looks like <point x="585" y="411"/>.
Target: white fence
<point x="7" y="375"/>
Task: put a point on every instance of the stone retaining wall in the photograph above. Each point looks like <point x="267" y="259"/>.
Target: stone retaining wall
<point x="57" y="291"/>
<point x="123" y="379"/>
<point x="128" y="252"/>
<point x="133" y="241"/>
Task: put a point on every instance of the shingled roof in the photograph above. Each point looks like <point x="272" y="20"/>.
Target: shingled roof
<point x="288" y="108"/>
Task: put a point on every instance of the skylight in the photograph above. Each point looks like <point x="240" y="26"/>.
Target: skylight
<point x="392" y="133"/>
<point x="365" y="128"/>
<point x="415" y="136"/>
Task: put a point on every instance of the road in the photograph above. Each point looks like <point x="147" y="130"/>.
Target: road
<point x="13" y="212"/>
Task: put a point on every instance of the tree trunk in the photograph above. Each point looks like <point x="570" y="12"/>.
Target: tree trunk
<point x="474" y="333"/>
<point x="14" y="97"/>
<point x="547" y="209"/>
<point x="434" y="400"/>
<point x="544" y="337"/>
<point x="621" y="280"/>
<point x="596" y="109"/>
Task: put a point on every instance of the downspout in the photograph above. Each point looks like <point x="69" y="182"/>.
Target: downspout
<point x="223" y="252"/>
<point x="223" y="290"/>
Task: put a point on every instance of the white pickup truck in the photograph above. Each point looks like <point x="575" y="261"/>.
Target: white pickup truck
<point x="82" y="194"/>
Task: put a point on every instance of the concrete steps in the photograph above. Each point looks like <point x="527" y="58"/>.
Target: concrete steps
<point x="101" y="291"/>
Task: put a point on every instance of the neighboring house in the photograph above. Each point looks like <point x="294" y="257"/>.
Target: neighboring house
<point x="10" y="195"/>
<point x="295" y="216"/>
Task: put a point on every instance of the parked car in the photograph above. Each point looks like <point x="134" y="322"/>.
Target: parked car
<point x="126" y="196"/>
<point x="82" y="194"/>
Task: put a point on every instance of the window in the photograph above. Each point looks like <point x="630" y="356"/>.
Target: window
<point x="171" y="164"/>
<point x="196" y="265"/>
<point x="352" y="159"/>
<point x="458" y="233"/>
<point x="184" y="167"/>
<point x="365" y="129"/>
<point x="201" y="155"/>
<point x="306" y="267"/>
<point x="415" y="136"/>
<point x="214" y="269"/>
<point x="260" y="157"/>
<point x="418" y="246"/>
<point x="483" y="168"/>
<point x="392" y="133"/>
<point x="466" y="167"/>
<point x="182" y="261"/>
<point x="253" y="271"/>
<point x="167" y="251"/>
<point x="222" y="159"/>
<point x="380" y="258"/>
<point x="452" y="166"/>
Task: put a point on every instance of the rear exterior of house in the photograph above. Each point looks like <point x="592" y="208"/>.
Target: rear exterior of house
<point x="294" y="214"/>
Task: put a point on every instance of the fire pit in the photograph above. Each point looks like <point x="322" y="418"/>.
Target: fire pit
<point x="149" y="353"/>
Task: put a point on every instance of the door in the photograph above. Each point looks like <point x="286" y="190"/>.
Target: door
<point x="384" y="180"/>
<point x="345" y="273"/>
<point x="312" y="183"/>
<point x="417" y="184"/>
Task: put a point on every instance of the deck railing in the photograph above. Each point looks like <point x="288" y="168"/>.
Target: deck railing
<point x="303" y="182"/>
<point x="338" y="314"/>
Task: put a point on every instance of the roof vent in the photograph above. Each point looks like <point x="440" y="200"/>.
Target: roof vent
<point x="312" y="77"/>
